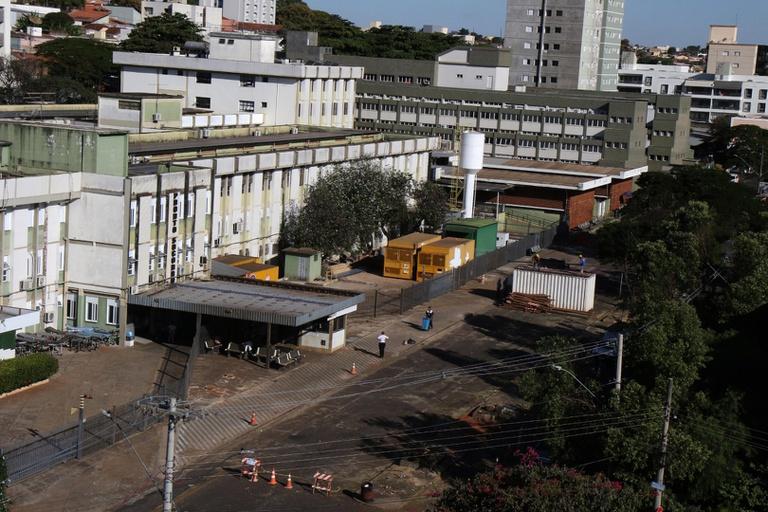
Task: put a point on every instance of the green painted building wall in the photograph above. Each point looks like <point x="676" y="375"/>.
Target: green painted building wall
<point x="8" y="340"/>
<point x="482" y="231"/>
<point x="300" y="265"/>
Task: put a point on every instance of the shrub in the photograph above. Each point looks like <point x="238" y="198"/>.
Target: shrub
<point x="23" y="371"/>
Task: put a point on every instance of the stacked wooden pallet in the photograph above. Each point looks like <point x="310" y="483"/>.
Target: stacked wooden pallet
<point x="528" y="303"/>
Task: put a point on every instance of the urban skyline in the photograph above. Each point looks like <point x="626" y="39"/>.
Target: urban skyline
<point x="642" y="25"/>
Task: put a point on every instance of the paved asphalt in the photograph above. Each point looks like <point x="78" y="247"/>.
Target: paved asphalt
<point x="404" y="438"/>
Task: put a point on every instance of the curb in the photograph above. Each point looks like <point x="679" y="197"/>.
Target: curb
<point x="25" y="388"/>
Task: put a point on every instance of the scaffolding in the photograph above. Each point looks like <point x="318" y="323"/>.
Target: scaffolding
<point x="456" y="188"/>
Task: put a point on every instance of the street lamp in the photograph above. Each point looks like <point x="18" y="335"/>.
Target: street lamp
<point x="561" y="369"/>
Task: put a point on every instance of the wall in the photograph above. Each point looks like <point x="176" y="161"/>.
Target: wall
<point x="580" y="207"/>
<point x="742" y="58"/>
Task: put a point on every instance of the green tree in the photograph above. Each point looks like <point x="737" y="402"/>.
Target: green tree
<point x="77" y="61"/>
<point x="16" y="78"/>
<point x="353" y="205"/>
<point x="534" y="487"/>
<point x="159" y="34"/>
<point x="57" y="22"/>
<point x="27" y="20"/>
<point x="430" y="206"/>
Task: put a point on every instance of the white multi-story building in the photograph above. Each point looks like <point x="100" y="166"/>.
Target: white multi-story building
<point x="712" y="96"/>
<point x="240" y="75"/>
<point x="208" y="17"/>
<point x="251" y="11"/>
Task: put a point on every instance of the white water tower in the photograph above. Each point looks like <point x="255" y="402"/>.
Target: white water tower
<point x="471" y="161"/>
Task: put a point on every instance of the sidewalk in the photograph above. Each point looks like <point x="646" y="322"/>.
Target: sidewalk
<point x="114" y="477"/>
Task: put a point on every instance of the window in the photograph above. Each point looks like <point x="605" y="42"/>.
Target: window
<point x="555" y="46"/>
<point x="8" y="221"/>
<point x="664" y="89"/>
<point x="737" y="53"/>
<point x="748" y="93"/>
<point x="201" y="102"/>
<point x="530" y="12"/>
<point x="162" y="209"/>
<point x="189" y="205"/>
<point x="553" y="79"/>
<point x="555" y="63"/>
<point x="263" y="104"/>
<point x="39" y="269"/>
<point x="558" y="13"/>
<point x="402" y="79"/>
<point x="387" y="78"/>
<point x="527" y="45"/>
<point x="761" y="108"/>
<point x="247" y="81"/>
<point x="529" y="29"/>
<point x="526" y="62"/>
<point x="131" y="262"/>
<point x="648" y="80"/>
<point x="91" y="309"/>
<point x="747" y="107"/>
<point x="132" y="215"/>
<point x="459" y="75"/>
<point x="763" y="94"/>
<point x="60" y="259"/>
<point x="112" y="312"/>
<point x="71" y="311"/>
<point x="370" y="77"/>
<point x="558" y="30"/>
<point x="203" y="77"/>
<point x="128" y="105"/>
<point x="6" y="269"/>
<point x="247" y="106"/>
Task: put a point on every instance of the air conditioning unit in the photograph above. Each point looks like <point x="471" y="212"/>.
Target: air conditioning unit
<point x="40" y="281"/>
<point x="27" y="284"/>
<point x="156" y="117"/>
<point x="48" y="318"/>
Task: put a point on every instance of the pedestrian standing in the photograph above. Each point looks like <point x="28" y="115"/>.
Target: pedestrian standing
<point x="382" y="343"/>
<point x="499" y="292"/>
<point x="430" y="316"/>
<point x="536" y="260"/>
<point x="582" y="263"/>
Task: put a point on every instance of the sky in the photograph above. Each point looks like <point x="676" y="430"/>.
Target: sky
<point x="648" y="22"/>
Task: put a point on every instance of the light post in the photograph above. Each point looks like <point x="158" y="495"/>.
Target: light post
<point x="561" y="369"/>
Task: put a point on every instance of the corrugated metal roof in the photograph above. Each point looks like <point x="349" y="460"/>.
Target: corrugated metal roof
<point x="256" y="301"/>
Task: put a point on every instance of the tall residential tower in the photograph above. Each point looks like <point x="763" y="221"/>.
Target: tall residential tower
<point x="566" y="44"/>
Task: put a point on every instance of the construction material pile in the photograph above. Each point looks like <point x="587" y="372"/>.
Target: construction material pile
<point x="529" y="303"/>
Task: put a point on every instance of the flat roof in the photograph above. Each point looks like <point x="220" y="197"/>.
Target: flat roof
<point x="226" y="142"/>
<point x="301" y="251"/>
<point x="474" y="223"/>
<point x="412" y="240"/>
<point x="565" y="169"/>
<point x="534" y="179"/>
<point x="13" y="318"/>
<point x="256" y="301"/>
<point x="448" y="242"/>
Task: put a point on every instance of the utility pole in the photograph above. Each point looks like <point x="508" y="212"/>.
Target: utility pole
<point x="81" y="424"/>
<point x="659" y="483"/>
<point x="168" y="484"/>
<point x="619" y="357"/>
<point x="176" y="411"/>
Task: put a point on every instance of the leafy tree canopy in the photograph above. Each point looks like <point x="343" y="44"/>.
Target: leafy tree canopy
<point x="57" y="22"/>
<point x="534" y="487"/>
<point x="350" y="206"/>
<point x="85" y="62"/>
<point x="159" y="34"/>
<point x="392" y="41"/>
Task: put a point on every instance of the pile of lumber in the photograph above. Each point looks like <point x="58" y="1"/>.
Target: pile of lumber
<point x="528" y="303"/>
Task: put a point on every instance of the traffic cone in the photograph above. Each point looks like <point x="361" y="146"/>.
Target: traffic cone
<point x="255" y="474"/>
<point x="252" y="422"/>
<point x="353" y="371"/>
<point x="273" y="480"/>
<point x="289" y="483"/>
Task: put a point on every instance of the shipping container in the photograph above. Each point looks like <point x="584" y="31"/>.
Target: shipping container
<point x="233" y="265"/>
<point x="401" y="254"/>
<point x="443" y="256"/>
<point x="482" y="231"/>
<point x="569" y="291"/>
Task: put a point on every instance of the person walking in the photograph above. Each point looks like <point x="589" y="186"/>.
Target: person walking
<point x="430" y="316"/>
<point x="582" y="263"/>
<point x="382" y="343"/>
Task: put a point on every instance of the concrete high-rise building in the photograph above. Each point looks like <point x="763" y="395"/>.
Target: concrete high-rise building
<point x="566" y="44"/>
<point x="251" y="11"/>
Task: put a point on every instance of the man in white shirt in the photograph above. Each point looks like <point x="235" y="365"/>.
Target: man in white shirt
<point x="382" y="343"/>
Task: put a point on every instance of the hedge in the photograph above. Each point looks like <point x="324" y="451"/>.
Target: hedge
<point x="23" y="371"/>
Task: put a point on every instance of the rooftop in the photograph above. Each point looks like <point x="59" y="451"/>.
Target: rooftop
<point x="448" y="242"/>
<point x="301" y="251"/>
<point x="511" y="178"/>
<point x="12" y="318"/>
<point x="474" y="223"/>
<point x="256" y="301"/>
<point x="139" y="95"/>
<point x="412" y="240"/>
<point x="565" y="169"/>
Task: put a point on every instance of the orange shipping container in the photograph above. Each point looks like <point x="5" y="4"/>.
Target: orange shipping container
<point x="443" y="256"/>
<point x="401" y="254"/>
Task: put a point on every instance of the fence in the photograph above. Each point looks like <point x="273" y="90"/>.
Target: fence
<point x="101" y="430"/>
<point x="98" y="431"/>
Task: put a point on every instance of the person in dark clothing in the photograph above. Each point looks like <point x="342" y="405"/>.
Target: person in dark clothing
<point x="499" y="292"/>
<point x="430" y="316"/>
<point x="171" y="334"/>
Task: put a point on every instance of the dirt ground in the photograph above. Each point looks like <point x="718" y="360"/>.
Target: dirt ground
<point x="111" y="375"/>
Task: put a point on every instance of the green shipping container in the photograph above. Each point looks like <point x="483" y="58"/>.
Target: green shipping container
<point x="302" y="264"/>
<point x="482" y="231"/>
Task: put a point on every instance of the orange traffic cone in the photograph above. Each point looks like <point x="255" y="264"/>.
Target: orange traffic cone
<point x="289" y="483"/>
<point x="252" y="421"/>
<point x="353" y="371"/>
<point x="273" y="480"/>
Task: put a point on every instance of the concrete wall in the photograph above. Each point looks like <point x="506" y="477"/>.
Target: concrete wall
<point x="741" y="59"/>
<point x="236" y="47"/>
<point x="253" y="11"/>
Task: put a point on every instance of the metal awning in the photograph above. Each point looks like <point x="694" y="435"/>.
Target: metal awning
<point x="256" y="301"/>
